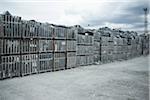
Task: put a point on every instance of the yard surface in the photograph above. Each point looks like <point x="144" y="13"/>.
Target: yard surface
<point x="126" y="80"/>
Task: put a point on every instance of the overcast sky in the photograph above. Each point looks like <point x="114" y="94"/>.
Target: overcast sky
<point x="124" y="14"/>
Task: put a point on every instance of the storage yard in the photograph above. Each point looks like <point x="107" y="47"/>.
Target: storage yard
<point x="28" y="47"/>
<point x="56" y="62"/>
<point x="125" y="80"/>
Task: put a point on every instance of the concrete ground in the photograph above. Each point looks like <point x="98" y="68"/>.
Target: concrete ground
<point x="126" y="80"/>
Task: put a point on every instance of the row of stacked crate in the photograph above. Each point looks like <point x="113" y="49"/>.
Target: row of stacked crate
<point x="38" y="47"/>
<point x="118" y="45"/>
<point x="17" y="65"/>
<point x="85" y="42"/>
<point x="28" y="47"/>
<point x="15" y="46"/>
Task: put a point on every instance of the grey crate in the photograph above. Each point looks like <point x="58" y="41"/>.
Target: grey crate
<point x="10" y="66"/>
<point x="45" y="62"/>
<point x="96" y="58"/>
<point x="81" y="60"/>
<point x="60" y="45"/>
<point x="71" y="33"/>
<point x="104" y="58"/>
<point x="84" y="50"/>
<point x="105" y="40"/>
<point x="59" y="61"/>
<point x="89" y="60"/>
<point x="71" y="59"/>
<point x="71" y="45"/>
<point x="29" y="64"/>
<point x="85" y="39"/>
<point x="80" y="39"/>
<point x="89" y="39"/>
<point x="30" y="29"/>
<point x="96" y="35"/>
<point x="11" y="26"/>
<point x="107" y="49"/>
<point x="45" y="30"/>
<point x="10" y="46"/>
<point x="85" y="60"/>
<point x="60" y="32"/>
<point x="29" y="46"/>
<point x="45" y="45"/>
<point x="96" y="45"/>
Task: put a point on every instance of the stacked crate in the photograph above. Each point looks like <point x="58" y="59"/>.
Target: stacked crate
<point x="139" y="46"/>
<point x="97" y="47"/>
<point x="122" y="43"/>
<point x="128" y="49"/>
<point x="71" y="48"/>
<point x="134" y="44"/>
<point x="45" y="38"/>
<point x="10" y="45"/>
<point x="120" y="46"/>
<point x="85" y="42"/>
<point x="106" y="49"/>
<point x="60" y="43"/>
<point x="107" y="45"/>
<point x="129" y="43"/>
<point x="29" y="47"/>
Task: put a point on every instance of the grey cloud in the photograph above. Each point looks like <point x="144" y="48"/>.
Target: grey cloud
<point x="132" y="15"/>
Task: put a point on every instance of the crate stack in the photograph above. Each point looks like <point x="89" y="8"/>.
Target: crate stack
<point x="107" y="45"/>
<point x="97" y="47"/>
<point x="46" y="47"/>
<point x="29" y="47"/>
<point x="119" y="45"/>
<point x="85" y="44"/>
<point x="10" y="45"/>
<point x="115" y="53"/>
<point x="125" y="46"/>
<point x="139" y="46"/>
<point x="134" y="44"/>
<point x="71" y="48"/>
<point x="128" y="44"/>
<point x="122" y="44"/>
<point x="60" y="47"/>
